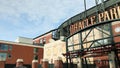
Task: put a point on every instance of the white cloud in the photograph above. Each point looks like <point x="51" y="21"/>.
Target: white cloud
<point x="38" y="8"/>
<point x="35" y="16"/>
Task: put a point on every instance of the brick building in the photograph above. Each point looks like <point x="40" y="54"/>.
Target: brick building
<point x="44" y="38"/>
<point x="11" y="51"/>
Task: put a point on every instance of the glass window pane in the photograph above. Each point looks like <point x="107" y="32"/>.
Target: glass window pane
<point x="3" y="56"/>
<point x="36" y="57"/>
<point x="35" y="50"/>
<point x="9" y="55"/>
<point x="41" y="40"/>
<point x="10" y="47"/>
<point x="3" y="47"/>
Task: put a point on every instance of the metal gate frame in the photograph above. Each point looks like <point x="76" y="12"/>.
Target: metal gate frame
<point x="84" y="51"/>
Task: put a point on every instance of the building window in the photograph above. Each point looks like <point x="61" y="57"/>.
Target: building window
<point x="44" y="40"/>
<point x="41" y="40"/>
<point x="10" y="47"/>
<point x="3" y="47"/>
<point x="55" y="35"/>
<point x="9" y="55"/>
<point x="35" y="50"/>
<point x="36" y="57"/>
<point x="34" y="42"/>
<point x="3" y="56"/>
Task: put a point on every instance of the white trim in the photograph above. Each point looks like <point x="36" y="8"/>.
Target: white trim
<point x="19" y="44"/>
<point x="45" y="60"/>
<point x="35" y="61"/>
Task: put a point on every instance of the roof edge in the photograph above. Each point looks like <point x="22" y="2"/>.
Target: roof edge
<point x="20" y="44"/>
<point x="44" y="34"/>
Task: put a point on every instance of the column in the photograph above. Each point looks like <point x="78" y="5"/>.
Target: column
<point x="2" y="64"/>
<point x="35" y="64"/>
<point x="45" y="63"/>
<point x="111" y="57"/>
<point x="58" y="63"/>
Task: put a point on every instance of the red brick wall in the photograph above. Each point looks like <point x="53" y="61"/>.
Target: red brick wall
<point x="40" y="54"/>
<point x="103" y="61"/>
<point x="47" y="36"/>
<point x="114" y="26"/>
<point x="24" y="52"/>
<point x="2" y="64"/>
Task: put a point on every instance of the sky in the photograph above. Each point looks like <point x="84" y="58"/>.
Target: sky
<point x="31" y="18"/>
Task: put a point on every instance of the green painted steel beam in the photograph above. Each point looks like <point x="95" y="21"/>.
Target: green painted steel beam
<point x="98" y="24"/>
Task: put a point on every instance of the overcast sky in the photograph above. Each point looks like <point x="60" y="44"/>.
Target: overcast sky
<point x="31" y="18"/>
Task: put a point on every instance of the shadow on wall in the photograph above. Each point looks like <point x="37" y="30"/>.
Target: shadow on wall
<point x="13" y="65"/>
<point x="64" y="66"/>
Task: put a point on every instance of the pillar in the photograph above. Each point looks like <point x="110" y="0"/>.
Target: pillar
<point x="44" y="63"/>
<point x="58" y="63"/>
<point x="2" y="64"/>
<point x="111" y="57"/>
<point x="35" y="64"/>
<point x="79" y="62"/>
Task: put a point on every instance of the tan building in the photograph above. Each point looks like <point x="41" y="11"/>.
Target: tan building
<point x="52" y="48"/>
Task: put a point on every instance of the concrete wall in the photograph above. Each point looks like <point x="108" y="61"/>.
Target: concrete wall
<point x="24" y="40"/>
<point x="54" y="50"/>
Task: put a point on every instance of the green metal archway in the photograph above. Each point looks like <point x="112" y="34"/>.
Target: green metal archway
<point x="97" y="40"/>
